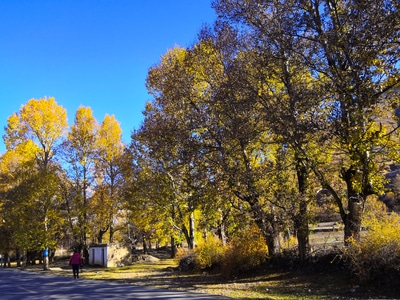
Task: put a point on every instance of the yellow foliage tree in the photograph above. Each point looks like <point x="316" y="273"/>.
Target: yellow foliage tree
<point x="80" y="153"/>
<point x="109" y="166"/>
<point x="36" y="131"/>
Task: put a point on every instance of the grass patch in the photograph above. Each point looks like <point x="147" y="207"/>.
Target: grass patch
<point x="139" y="270"/>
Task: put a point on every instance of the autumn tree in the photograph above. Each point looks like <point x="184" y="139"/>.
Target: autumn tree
<point x="170" y="184"/>
<point x="40" y="123"/>
<point x="150" y="199"/>
<point x="15" y="168"/>
<point x="215" y="124"/>
<point x="239" y="142"/>
<point x="79" y="153"/>
<point x="287" y="93"/>
<point x="167" y="130"/>
<point x="109" y="173"/>
<point x="361" y="73"/>
<point x="336" y="45"/>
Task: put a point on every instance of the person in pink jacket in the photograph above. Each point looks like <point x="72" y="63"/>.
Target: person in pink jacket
<point x="76" y="262"/>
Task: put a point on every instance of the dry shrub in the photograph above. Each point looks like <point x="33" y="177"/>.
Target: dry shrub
<point x="289" y="244"/>
<point x="186" y="259"/>
<point x="245" y="251"/>
<point x="208" y="253"/>
<point x="182" y="252"/>
<point x="377" y="255"/>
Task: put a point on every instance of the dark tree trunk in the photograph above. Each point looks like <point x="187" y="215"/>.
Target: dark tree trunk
<point x="221" y="233"/>
<point x="352" y="222"/>
<point x="222" y="227"/>
<point x="6" y="261"/>
<point x="31" y="257"/>
<point x="144" y="244"/>
<point x="302" y="231"/>
<point x="191" y="231"/>
<point x="274" y="240"/>
<point x="18" y="257"/>
<point x="111" y="239"/>
<point x="355" y="206"/>
<point x="173" y="247"/>
<point x="268" y="227"/>
<point x="301" y="219"/>
<point x="185" y="232"/>
<point x="101" y="234"/>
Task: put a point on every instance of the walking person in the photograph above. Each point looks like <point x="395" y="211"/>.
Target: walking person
<point x="75" y="262"/>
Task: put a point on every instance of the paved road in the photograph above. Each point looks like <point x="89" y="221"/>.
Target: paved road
<point x="16" y="285"/>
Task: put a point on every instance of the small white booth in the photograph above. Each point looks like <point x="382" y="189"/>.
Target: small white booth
<point x="106" y="255"/>
<point x="98" y="255"/>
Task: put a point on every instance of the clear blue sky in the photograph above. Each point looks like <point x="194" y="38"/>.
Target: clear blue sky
<point x="90" y="52"/>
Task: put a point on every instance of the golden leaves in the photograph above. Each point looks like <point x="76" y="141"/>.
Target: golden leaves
<point x="45" y="119"/>
<point x="109" y="138"/>
<point x="41" y="121"/>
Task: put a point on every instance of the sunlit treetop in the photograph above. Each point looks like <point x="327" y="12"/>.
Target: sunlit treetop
<point x="41" y="121"/>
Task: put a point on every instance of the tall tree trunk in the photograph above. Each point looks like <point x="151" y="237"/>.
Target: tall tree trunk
<point x="186" y="233"/>
<point x="222" y="227"/>
<point x="173" y="247"/>
<point x="85" y="207"/>
<point x="6" y="260"/>
<point x="301" y="227"/>
<point x="266" y="222"/>
<point x="191" y="231"/>
<point x="18" y="257"/>
<point x="144" y="244"/>
<point x="301" y="219"/>
<point x="273" y="240"/>
<point x="111" y="239"/>
<point x="352" y="222"/>
<point x="221" y="233"/>
<point x="355" y="206"/>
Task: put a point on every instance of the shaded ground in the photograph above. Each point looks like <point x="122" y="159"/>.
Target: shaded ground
<point x="313" y="282"/>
